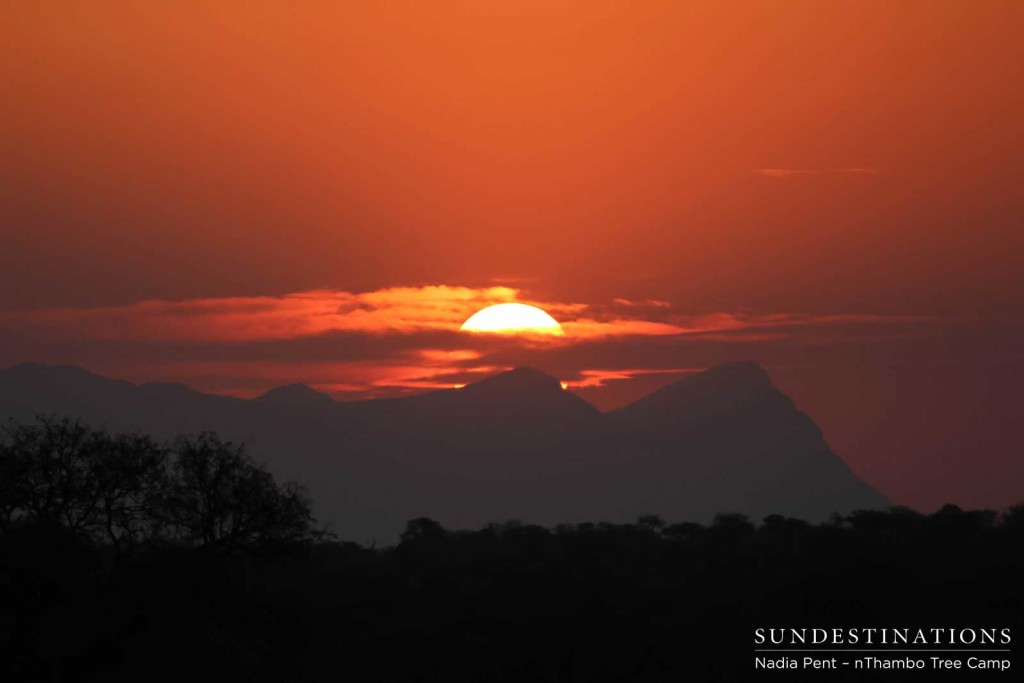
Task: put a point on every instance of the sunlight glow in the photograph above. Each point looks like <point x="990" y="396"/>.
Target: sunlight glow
<point x="512" y="319"/>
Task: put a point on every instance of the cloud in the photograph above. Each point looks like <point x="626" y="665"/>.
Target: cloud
<point x="782" y="172"/>
<point x="645" y="303"/>
<point x="586" y="328"/>
<point x="397" y="310"/>
<point x="787" y="172"/>
<point x="398" y="340"/>
<point x="289" y="316"/>
<point x="599" y="378"/>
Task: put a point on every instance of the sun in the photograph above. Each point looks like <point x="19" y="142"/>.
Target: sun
<point x="512" y="319"/>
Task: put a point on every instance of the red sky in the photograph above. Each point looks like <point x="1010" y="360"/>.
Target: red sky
<point x="830" y="189"/>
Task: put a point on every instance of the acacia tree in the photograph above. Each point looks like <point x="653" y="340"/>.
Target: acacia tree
<point x="48" y="473"/>
<point x="125" y="489"/>
<point x="62" y="472"/>
<point x="131" y="474"/>
<point x="220" y="496"/>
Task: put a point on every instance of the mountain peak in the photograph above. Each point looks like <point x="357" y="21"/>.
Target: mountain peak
<point x="520" y="379"/>
<point x="58" y="375"/>
<point x="297" y="394"/>
<point x="718" y="389"/>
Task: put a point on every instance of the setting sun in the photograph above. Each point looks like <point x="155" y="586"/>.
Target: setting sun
<point x="512" y="319"/>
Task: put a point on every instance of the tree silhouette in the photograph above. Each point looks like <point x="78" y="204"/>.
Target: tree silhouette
<point x="220" y="496"/>
<point x="49" y="473"/>
<point x="131" y="475"/>
<point x="125" y="489"/>
<point x="652" y="523"/>
<point x="422" y="529"/>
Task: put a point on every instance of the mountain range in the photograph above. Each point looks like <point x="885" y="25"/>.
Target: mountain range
<point x="513" y="446"/>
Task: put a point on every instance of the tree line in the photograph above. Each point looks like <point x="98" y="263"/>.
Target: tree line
<point x="651" y="600"/>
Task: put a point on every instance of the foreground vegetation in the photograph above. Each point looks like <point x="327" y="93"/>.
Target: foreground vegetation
<point x="122" y="559"/>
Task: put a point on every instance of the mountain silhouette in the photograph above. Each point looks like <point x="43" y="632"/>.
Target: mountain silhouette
<point x="296" y="395"/>
<point x="512" y="446"/>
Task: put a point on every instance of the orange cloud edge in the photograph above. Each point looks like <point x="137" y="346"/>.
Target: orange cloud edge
<point x="432" y="353"/>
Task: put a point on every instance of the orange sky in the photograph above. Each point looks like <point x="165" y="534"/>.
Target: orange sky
<point x="849" y="168"/>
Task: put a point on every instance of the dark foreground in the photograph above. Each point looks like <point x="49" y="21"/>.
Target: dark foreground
<point x="642" y="602"/>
